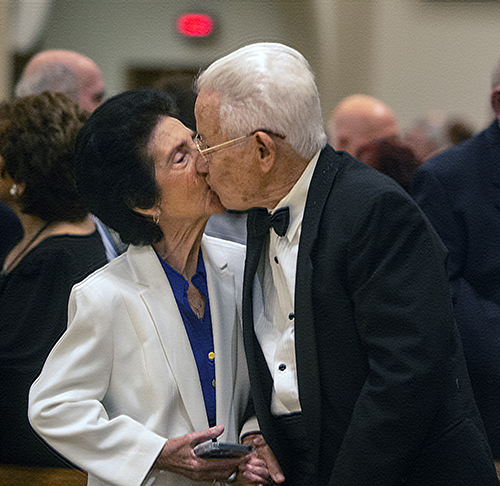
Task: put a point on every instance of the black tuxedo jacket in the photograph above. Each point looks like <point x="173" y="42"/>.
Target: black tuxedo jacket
<point x="382" y="380"/>
<point x="459" y="190"/>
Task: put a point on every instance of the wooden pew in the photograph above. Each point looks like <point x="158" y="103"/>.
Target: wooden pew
<point x="40" y="476"/>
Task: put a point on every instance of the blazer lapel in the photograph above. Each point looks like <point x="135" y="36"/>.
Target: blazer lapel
<point x="167" y="323"/>
<point x="222" y="290"/>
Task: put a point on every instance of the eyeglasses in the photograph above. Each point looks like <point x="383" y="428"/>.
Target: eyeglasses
<point x="205" y="150"/>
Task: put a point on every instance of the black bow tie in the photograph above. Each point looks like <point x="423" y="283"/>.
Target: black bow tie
<point x="279" y="221"/>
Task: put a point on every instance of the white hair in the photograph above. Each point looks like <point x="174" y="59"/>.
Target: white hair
<point x="270" y="87"/>
<point x="55" y="77"/>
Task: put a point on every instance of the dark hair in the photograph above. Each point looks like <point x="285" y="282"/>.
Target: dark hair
<point x="37" y="142"/>
<point x="115" y="174"/>
<point x="396" y="160"/>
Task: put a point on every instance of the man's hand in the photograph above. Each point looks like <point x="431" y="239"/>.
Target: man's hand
<point x="177" y="456"/>
<point x="263" y="468"/>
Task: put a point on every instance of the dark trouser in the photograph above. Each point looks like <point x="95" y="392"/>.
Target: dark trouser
<point x="298" y="467"/>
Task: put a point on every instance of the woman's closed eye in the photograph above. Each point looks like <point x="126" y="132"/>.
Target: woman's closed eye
<point x="180" y="157"/>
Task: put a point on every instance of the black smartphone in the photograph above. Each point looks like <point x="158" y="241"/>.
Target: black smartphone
<point x="221" y="450"/>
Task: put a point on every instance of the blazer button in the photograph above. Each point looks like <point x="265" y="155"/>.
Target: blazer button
<point x="276" y="259"/>
<point x="282" y="367"/>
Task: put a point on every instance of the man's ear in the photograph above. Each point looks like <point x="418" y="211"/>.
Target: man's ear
<point x="495" y="101"/>
<point x="266" y="148"/>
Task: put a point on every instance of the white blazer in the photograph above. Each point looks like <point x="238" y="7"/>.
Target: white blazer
<point x="123" y="379"/>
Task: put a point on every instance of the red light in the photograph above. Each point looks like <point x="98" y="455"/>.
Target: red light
<point x="195" y="25"/>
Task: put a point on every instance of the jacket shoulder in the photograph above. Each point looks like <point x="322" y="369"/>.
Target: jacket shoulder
<point x="459" y="160"/>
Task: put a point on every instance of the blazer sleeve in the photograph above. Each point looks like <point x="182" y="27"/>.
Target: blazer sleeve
<point x="65" y="405"/>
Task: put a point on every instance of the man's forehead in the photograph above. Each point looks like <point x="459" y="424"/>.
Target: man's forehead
<point x="207" y="101"/>
<point x="207" y="111"/>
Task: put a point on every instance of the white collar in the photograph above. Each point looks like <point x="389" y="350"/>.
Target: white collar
<point x="296" y="198"/>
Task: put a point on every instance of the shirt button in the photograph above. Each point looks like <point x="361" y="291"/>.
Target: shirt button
<point x="291" y="316"/>
<point x="211" y="356"/>
<point x="276" y="259"/>
<point x="282" y="367"/>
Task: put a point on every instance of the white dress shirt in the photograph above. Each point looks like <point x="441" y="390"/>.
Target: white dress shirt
<point x="275" y="327"/>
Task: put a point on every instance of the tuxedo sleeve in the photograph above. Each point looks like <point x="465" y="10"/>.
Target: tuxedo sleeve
<point x="402" y="312"/>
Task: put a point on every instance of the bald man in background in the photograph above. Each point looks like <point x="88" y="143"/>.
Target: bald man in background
<point x="66" y="72"/>
<point x="368" y="130"/>
<point x="358" y="120"/>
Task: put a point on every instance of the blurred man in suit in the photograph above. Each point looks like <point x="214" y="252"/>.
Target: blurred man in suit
<point x="459" y="190"/>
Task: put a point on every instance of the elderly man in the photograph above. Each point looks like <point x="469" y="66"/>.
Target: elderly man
<point x="355" y="361"/>
<point x="459" y="192"/>
<point x="64" y="71"/>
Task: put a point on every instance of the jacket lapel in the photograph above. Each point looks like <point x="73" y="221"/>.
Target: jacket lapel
<point x="305" y="329"/>
<point x="260" y="377"/>
<point x="167" y="323"/>
<point x="222" y="291"/>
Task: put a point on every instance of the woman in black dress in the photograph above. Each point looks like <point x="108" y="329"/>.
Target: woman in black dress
<point x="60" y="247"/>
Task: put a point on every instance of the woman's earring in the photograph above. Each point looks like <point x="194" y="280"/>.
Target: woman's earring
<point x="14" y="190"/>
<point x="156" y="217"/>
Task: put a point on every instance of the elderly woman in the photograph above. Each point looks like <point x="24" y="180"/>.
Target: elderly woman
<point x="59" y="246"/>
<point x="152" y="363"/>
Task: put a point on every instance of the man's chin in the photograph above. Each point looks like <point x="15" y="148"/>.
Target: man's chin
<point x="225" y="199"/>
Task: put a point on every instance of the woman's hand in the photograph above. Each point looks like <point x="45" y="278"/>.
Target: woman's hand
<point x="262" y="468"/>
<point x="177" y="456"/>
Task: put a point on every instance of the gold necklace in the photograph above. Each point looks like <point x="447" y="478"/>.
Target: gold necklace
<point x="23" y="252"/>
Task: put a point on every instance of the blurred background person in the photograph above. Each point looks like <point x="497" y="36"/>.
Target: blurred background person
<point x="391" y="157"/>
<point x="11" y="230"/>
<point x="79" y="78"/>
<point x="427" y="135"/>
<point x="60" y="246"/>
<point x="63" y="71"/>
<point x="459" y="192"/>
<point x="431" y="134"/>
<point x="359" y="119"/>
<point x="459" y="130"/>
<point x="368" y="129"/>
<point x="160" y="365"/>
